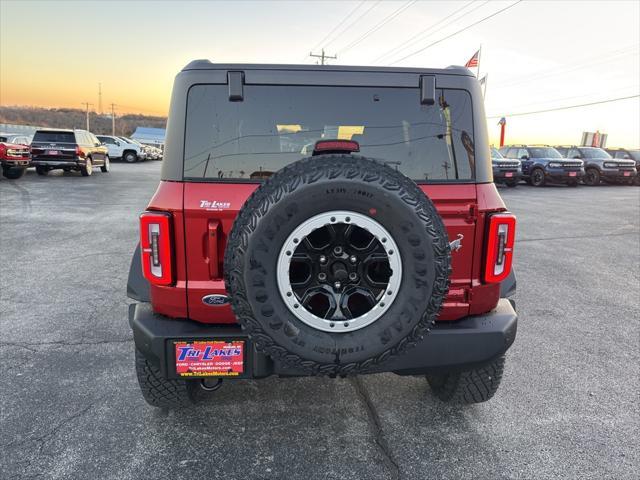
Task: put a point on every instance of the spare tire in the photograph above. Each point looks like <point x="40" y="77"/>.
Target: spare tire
<point x="336" y="264"/>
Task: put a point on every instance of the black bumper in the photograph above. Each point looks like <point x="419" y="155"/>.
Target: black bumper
<point x="563" y="176"/>
<point x="615" y="175"/>
<point x="58" y="163"/>
<point x="467" y="342"/>
<point x="501" y="176"/>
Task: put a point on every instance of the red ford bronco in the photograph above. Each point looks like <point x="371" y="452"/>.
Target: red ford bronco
<point x="14" y="157"/>
<point x="323" y="220"/>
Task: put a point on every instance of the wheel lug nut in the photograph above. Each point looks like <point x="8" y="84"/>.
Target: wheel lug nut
<point x="353" y="259"/>
<point x="353" y="276"/>
<point x="323" y="259"/>
<point x="337" y="250"/>
<point x="322" y="276"/>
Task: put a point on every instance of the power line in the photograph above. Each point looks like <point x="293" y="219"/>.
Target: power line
<point x="328" y="35"/>
<point x="379" y="25"/>
<point x="457" y="32"/>
<point x="430" y="27"/>
<point x="574" y="97"/>
<point x="353" y="23"/>
<point x="520" y="114"/>
<point x="607" y="58"/>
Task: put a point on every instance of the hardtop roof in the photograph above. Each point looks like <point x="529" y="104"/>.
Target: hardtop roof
<point x="204" y="64"/>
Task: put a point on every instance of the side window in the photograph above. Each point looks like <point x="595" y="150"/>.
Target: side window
<point x="620" y="154"/>
<point x="93" y="139"/>
<point x="512" y="153"/>
<point x="80" y="139"/>
<point x="573" y="153"/>
<point x="522" y="153"/>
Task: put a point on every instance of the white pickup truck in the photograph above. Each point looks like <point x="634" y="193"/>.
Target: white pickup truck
<point x="118" y="148"/>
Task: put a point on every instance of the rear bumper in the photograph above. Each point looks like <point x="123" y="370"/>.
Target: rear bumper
<point x="467" y="342"/>
<point x="70" y="163"/>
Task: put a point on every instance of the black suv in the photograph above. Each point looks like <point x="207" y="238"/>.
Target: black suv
<point x="507" y="171"/>
<point x="542" y="164"/>
<point x="627" y="154"/>
<point x="600" y="166"/>
<point x="68" y="150"/>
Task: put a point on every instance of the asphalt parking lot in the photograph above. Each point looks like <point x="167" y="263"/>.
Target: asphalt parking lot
<point x="70" y="405"/>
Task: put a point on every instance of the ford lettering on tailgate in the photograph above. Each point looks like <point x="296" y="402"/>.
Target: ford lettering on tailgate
<point x="209" y="358"/>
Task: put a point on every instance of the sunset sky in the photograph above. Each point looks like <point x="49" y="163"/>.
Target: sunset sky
<point x="539" y="54"/>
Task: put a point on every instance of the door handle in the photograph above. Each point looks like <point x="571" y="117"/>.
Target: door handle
<point x="213" y="233"/>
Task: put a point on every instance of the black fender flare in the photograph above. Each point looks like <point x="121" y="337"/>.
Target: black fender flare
<point x="138" y="287"/>
<point x="508" y="285"/>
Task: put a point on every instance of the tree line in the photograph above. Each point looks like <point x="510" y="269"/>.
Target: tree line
<point x="76" y="118"/>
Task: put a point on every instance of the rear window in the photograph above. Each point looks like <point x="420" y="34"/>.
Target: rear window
<point x="276" y="125"/>
<point x="54" y="137"/>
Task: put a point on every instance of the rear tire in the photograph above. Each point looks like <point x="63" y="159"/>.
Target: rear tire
<point x="106" y="166"/>
<point x="469" y="386"/>
<point x="13" y="173"/>
<point x="537" y="177"/>
<point x="87" y="169"/>
<point x="42" y="170"/>
<point x="130" y="157"/>
<point x="163" y="392"/>
<point x="592" y="177"/>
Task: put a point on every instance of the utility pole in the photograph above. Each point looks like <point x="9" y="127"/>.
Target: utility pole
<point x="322" y="57"/>
<point x="113" y="119"/>
<point x="86" y="104"/>
<point x="100" y="98"/>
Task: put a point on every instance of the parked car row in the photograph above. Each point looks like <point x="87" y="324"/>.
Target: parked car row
<point x="68" y="150"/>
<point x="541" y="164"/>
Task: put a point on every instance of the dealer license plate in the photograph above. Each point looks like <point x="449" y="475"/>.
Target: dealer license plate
<point x="210" y="358"/>
<point x="573" y="174"/>
<point x="53" y="152"/>
<point x="508" y="174"/>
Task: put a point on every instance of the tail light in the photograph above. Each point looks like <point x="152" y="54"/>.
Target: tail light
<point x="156" y="248"/>
<point x="335" y="146"/>
<point x="79" y="152"/>
<point x="501" y="238"/>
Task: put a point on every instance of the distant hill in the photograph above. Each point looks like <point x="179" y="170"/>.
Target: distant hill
<point x="75" y="118"/>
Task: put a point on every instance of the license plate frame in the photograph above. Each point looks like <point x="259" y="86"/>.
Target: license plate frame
<point x="627" y="174"/>
<point x="53" y="152"/>
<point x="210" y="358"/>
<point x="508" y="174"/>
<point x="573" y="174"/>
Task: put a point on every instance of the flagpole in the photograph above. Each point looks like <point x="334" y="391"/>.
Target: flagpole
<point x="479" y="55"/>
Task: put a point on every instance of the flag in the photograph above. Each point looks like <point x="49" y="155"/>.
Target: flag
<point x="473" y="61"/>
